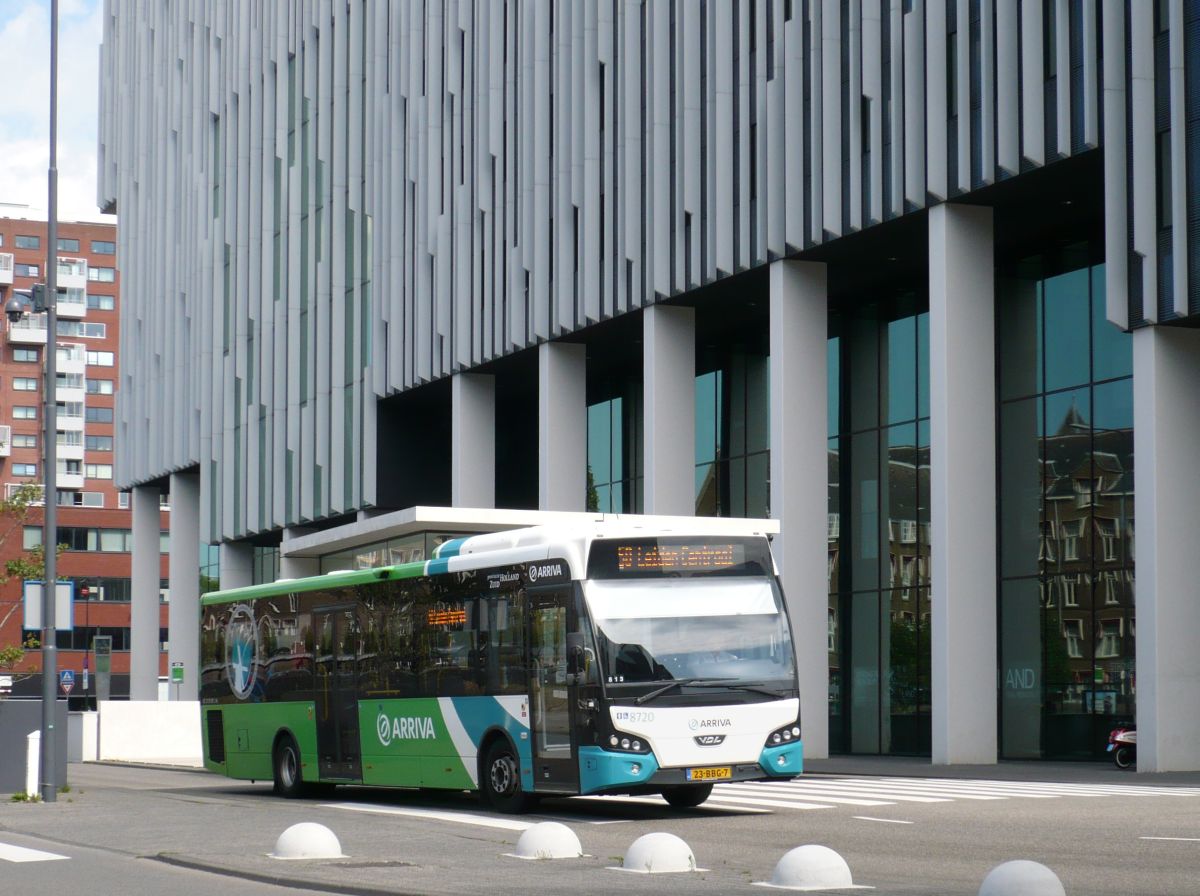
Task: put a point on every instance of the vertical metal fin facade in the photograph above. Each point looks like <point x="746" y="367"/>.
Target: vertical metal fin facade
<point x="328" y="202"/>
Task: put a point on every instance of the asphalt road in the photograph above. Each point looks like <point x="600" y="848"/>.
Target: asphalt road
<point x="125" y="830"/>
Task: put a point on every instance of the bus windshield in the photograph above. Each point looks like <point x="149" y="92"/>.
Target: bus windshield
<point x="659" y="630"/>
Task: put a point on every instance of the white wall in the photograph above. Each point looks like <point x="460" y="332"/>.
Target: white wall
<point x="157" y="731"/>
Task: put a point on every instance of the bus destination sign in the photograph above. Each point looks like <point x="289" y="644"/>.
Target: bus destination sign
<point x="679" y="556"/>
<point x="667" y="558"/>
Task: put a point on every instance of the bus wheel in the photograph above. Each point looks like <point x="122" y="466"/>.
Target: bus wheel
<point x="286" y="761"/>
<point x="689" y="796"/>
<point x="501" y="779"/>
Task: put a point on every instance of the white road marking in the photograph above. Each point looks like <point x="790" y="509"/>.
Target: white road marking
<point x="10" y="853"/>
<point x="1176" y="839"/>
<point x="884" y="820"/>
<point x="483" y="821"/>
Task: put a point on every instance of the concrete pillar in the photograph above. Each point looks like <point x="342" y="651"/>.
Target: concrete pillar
<point x="145" y="578"/>
<point x="473" y="440"/>
<point x="562" y="426"/>
<point x="237" y="565"/>
<point x="1166" y="433"/>
<point x="669" y="409"/>
<point x="963" y="483"/>
<point x="800" y="479"/>
<point x="183" y="629"/>
<point x="296" y="567"/>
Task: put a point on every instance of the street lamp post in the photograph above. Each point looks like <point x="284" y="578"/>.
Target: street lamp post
<point x="50" y="520"/>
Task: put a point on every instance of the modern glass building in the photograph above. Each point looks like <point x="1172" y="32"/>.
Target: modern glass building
<point x="918" y="279"/>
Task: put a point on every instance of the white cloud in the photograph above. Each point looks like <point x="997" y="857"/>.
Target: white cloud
<point x="25" y="112"/>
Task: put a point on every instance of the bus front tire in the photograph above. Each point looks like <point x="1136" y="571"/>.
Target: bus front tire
<point x="500" y="781"/>
<point x="289" y="781"/>
<point x="687" y="796"/>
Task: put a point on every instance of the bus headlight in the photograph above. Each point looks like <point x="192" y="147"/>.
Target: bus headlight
<point x="785" y="735"/>
<point x="626" y="744"/>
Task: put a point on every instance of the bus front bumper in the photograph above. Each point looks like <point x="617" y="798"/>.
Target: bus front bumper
<point x="606" y="771"/>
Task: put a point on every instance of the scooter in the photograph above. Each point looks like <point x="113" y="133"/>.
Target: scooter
<point x="1122" y="743"/>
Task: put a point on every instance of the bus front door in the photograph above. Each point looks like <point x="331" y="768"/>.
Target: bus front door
<point x="551" y="691"/>
<point x="337" y="646"/>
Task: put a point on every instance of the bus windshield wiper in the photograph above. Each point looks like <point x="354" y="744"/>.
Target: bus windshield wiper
<point x="679" y="683"/>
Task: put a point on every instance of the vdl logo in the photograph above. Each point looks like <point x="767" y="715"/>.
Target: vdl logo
<point x="241" y="651"/>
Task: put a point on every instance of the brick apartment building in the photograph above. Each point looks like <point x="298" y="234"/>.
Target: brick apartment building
<point x="94" y="520"/>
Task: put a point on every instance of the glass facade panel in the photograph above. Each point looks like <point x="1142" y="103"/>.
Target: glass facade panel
<point x="879" y="650"/>
<point x="1067" y="305"/>
<point x="614" y="446"/>
<point x="732" y="433"/>
<point x="1066" y="505"/>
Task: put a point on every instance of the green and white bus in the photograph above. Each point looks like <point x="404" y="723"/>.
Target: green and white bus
<point x="606" y="659"/>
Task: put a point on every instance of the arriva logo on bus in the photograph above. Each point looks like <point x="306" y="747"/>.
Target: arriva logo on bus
<point x="390" y="728"/>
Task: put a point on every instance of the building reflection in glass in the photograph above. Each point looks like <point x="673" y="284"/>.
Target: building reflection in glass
<point x="1065" y="511"/>
<point x="878" y="532"/>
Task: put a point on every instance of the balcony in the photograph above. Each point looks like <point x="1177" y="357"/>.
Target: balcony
<point x="65" y="480"/>
<point x="72" y="303"/>
<point x="6" y="267"/>
<point x="5" y="441"/>
<point x="65" y="451"/>
<point x="29" y="330"/>
<point x="72" y="273"/>
<point x="72" y="358"/>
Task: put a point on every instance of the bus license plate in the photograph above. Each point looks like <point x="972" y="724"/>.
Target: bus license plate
<point x="722" y="773"/>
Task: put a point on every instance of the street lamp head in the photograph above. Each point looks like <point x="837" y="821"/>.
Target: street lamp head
<point x="15" y="309"/>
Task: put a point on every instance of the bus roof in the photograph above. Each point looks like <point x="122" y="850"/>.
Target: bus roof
<point x="511" y="545"/>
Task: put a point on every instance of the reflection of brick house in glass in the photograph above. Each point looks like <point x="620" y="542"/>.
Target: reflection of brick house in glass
<point x="1086" y="552"/>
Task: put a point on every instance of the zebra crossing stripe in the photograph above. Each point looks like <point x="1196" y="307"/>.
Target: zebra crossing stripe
<point x="10" y="853"/>
<point x="756" y="801"/>
<point x="1064" y="789"/>
<point x="816" y="792"/>
<point x="846" y="800"/>
<point x="889" y="792"/>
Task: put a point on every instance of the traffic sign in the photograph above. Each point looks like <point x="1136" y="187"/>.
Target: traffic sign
<point x="177" y="673"/>
<point x="66" y="680"/>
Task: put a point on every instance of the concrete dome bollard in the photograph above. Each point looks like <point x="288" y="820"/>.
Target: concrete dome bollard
<point x="1021" y="878"/>
<point x="307" y="840"/>
<point x="659" y="854"/>
<point x="548" y="840"/>
<point x="812" y="867"/>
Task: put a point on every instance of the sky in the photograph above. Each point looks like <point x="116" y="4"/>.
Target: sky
<point x="25" y="107"/>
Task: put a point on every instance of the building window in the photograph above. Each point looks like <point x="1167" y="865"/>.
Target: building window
<point x="1108" y="638"/>
<point x="25" y="355"/>
<point x="101" y="303"/>
<point x="67" y="244"/>
<point x="98" y="471"/>
<point x="98" y="414"/>
<point x="28" y="242"/>
<point x="99" y="387"/>
<point x="101" y="274"/>
<point x="1073" y="635"/>
<point x="100" y="359"/>
<point x="24" y="384"/>
<point x="24" y="469"/>
<point x="25" y="412"/>
<point x="24" y="440"/>
<point x="21" y="269"/>
<point x="104" y="247"/>
<point x="99" y="443"/>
